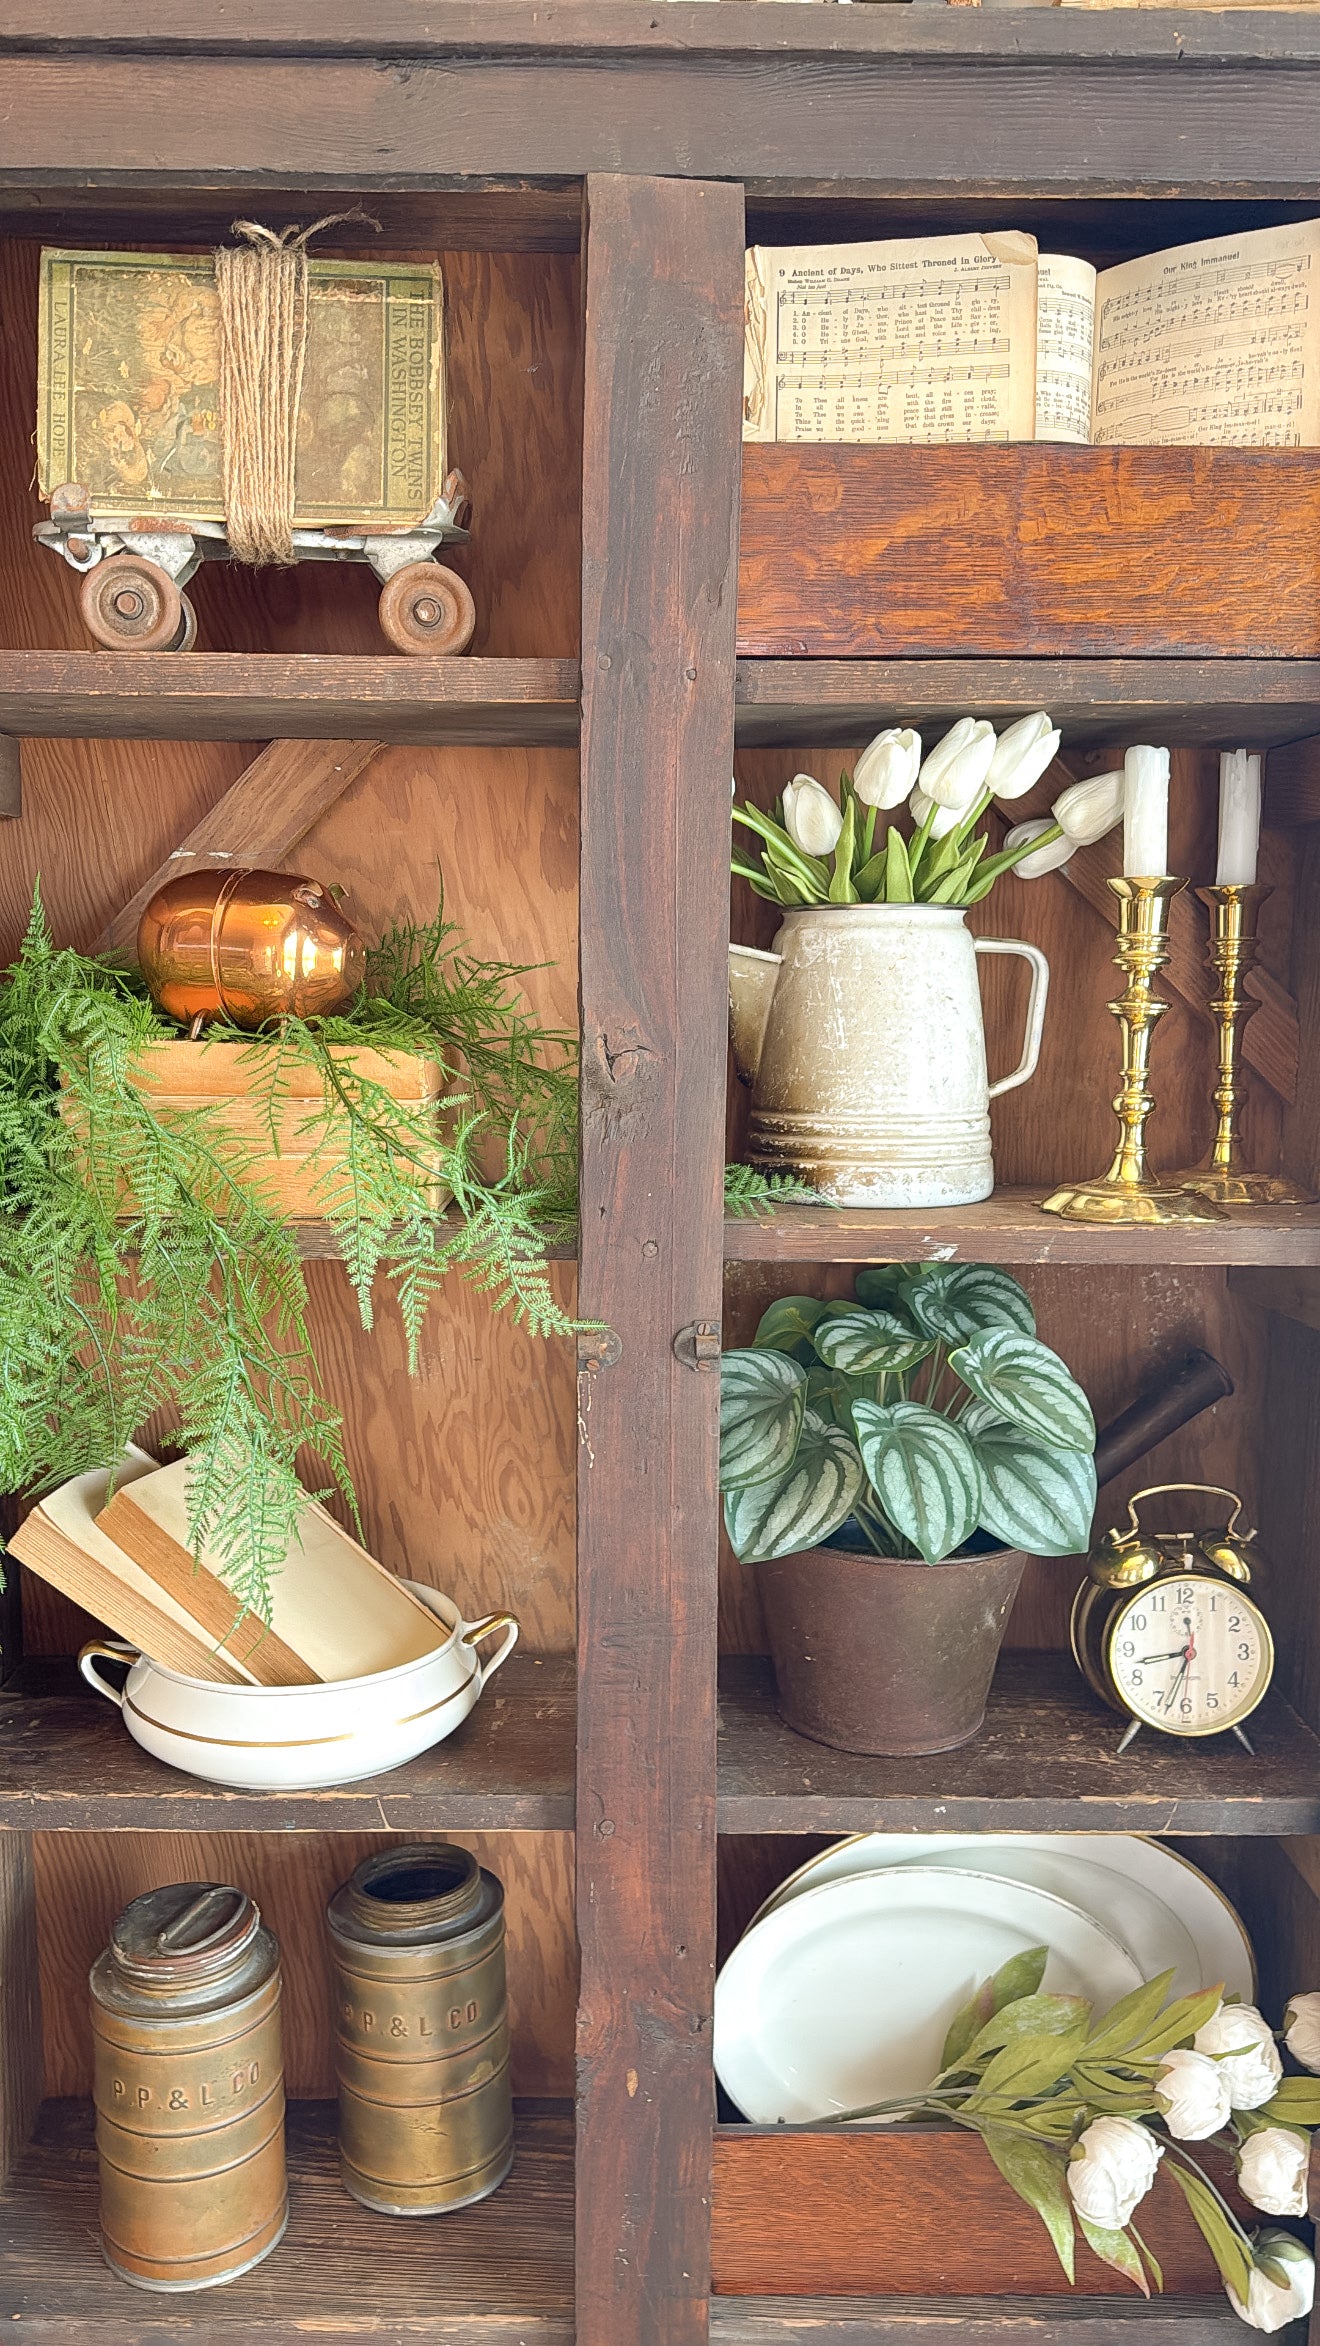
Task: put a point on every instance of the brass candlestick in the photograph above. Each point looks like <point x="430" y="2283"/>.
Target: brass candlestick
<point x="1127" y="1193"/>
<point x="1233" y="950"/>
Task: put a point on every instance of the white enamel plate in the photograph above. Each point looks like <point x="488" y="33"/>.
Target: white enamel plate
<point x="844" y="1994"/>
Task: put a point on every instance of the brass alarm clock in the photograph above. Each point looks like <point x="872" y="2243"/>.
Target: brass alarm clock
<point x="1163" y="1628"/>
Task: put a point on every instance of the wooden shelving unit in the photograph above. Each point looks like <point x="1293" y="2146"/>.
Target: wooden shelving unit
<point x="590" y="175"/>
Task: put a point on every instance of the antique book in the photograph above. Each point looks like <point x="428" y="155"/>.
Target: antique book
<point x="332" y="1605"/>
<point x="62" y="1543"/>
<point x="128" y="405"/>
<point x="1214" y="344"/>
<point x="910" y="339"/>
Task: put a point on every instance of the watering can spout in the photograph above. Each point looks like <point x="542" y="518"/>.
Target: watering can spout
<point x="752" y="977"/>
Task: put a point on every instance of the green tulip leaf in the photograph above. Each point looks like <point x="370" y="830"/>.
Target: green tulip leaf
<point x="1033" y="1496"/>
<point x="803" y="1506"/>
<point x="898" y="872"/>
<point x="924" y="1473"/>
<point x="957" y="1300"/>
<point x="788" y="1325"/>
<point x="762" y="1399"/>
<point x="1028" y="1384"/>
<point x="865" y="1343"/>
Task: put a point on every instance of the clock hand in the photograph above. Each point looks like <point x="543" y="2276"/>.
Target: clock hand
<point x="1178" y="1654"/>
<point x="1176" y="1688"/>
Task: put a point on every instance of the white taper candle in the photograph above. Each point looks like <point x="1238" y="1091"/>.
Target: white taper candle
<point x="1239" y="819"/>
<point x="1146" y="813"/>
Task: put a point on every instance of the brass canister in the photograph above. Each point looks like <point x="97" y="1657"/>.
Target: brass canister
<point x="189" y="2088"/>
<point x="425" y="2115"/>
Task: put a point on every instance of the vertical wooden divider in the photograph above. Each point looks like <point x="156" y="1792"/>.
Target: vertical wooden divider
<point x="661" y="451"/>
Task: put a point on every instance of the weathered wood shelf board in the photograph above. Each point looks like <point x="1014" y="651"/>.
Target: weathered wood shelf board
<point x="1100" y="701"/>
<point x="1037" y="550"/>
<point x="980" y="2321"/>
<point x="66" y="1765"/>
<point x="259" y="696"/>
<point x="1010" y="1228"/>
<point x="1044" y="1762"/>
<point x="499" y="2273"/>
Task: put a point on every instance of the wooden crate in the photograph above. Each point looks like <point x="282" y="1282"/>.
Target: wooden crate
<point x="905" y="2211"/>
<point x="1029" y="551"/>
<point x="179" y="1078"/>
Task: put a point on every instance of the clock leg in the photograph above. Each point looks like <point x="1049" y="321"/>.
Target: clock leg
<point x="1245" y="1741"/>
<point x="1129" y="1735"/>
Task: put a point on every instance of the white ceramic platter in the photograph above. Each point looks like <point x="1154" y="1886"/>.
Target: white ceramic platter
<point x="844" y="1994"/>
<point x="1168" y="1913"/>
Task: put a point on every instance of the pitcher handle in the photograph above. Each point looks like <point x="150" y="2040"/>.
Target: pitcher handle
<point x="1040" y="986"/>
<point x="106" y="1650"/>
<point x="476" y="1630"/>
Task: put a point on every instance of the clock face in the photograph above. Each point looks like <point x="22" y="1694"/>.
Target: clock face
<point x="1191" y="1656"/>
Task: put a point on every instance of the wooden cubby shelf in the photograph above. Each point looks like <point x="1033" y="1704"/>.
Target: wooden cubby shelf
<point x="971" y="2321"/>
<point x="1010" y="1228"/>
<point x="259" y="696"/>
<point x="501" y="2272"/>
<point x="1045" y="1761"/>
<point x="67" y="1765"/>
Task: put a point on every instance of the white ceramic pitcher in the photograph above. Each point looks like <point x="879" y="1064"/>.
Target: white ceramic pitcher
<point x="862" y="1038"/>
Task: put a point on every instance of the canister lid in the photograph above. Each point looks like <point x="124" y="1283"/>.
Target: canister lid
<point x="184" y="1933"/>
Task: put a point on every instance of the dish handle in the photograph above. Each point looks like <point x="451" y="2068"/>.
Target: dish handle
<point x="477" y="1630"/>
<point x="107" y="1650"/>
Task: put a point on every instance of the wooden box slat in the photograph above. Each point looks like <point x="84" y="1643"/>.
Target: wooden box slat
<point x="900" y="2211"/>
<point x="1035" y="550"/>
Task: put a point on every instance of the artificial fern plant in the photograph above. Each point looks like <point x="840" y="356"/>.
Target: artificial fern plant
<point x="144" y="1266"/>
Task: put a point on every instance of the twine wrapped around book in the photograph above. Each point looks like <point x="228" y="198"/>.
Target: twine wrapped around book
<point x="261" y="286"/>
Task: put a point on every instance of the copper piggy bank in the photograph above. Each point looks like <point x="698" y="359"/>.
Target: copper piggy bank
<point x="248" y="946"/>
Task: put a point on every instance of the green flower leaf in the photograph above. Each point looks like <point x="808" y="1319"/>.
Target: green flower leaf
<point x="803" y="1506"/>
<point x="1027" y="2065"/>
<point x="762" y="1399"/>
<point x="863" y="1343"/>
<point x="1177" y="2024"/>
<point x="953" y="1301"/>
<point x="1226" y="2245"/>
<point x="1033" y="1497"/>
<point x="1115" y="2249"/>
<point x="1295" y="2102"/>
<point x="924" y="1473"/>
<point x="788" y="1326"/>
<point x="898" y="874"/>
<point x="1018" y="1978"/>
<point x="1126" y="2022"/>
<point x="1028" y="1384"/>
<point x="1036" y="2174"/>
<point x="1030" y="2016"/>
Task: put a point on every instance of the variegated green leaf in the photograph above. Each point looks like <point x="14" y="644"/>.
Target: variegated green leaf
<point x="1028" y="1384"/>
<point x="865" y="1343"/>
<point x="1034" y="1496"/>
<point x="881" y="1284"/>
<point x="804" y="1505"/>
<point x="762" y="1399"/>
<point x="833" y="1394"/>
<point x="788" y="1327"/>
<point x="925" y="1474"/>
<point x="957" y="1300"/>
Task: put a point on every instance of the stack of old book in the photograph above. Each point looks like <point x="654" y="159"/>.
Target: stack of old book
<point x="125" y="1557"/>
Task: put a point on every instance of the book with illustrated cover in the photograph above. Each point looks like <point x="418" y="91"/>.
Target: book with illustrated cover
<point x="1215" y="344"/>
<point x="128" y="404"/>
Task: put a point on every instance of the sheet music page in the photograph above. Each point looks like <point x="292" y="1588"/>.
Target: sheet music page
<point x="1212" y="345"/>
<point x="1065" y="326"/>
<point x="911" y="339"/>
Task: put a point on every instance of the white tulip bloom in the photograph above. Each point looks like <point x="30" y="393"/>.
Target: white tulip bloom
<point x="1253" y="2068"/>
<point x="944" y="818"/>
<point x="811" y="817"/>
<point x="1043" y="859"/>
<point x="1192" y="2091"/>
<point x="1086" y="810"/>
<point x="888" y="767"/>
<point x="1272" y="2167"/>
<point x="1283" y="2293"/>
<point x="1302" y="2031"/>
<point x="1022" y="753"/>
<point x="955" y="771"/>
<point x="1112" y="2169"/>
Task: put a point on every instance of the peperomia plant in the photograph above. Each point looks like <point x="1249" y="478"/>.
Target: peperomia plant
<point x="904" y="1422"/>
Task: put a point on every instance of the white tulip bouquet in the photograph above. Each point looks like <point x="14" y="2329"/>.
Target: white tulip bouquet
<point x="815" y="849"/>
<point x="1078" y="2114"/>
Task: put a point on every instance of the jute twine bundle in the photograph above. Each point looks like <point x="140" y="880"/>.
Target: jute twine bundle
<point x="262" y="290"/>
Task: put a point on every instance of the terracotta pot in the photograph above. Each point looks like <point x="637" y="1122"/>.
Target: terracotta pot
<point x="877" y="1655"/>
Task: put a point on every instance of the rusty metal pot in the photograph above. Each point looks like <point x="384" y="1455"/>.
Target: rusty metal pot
<point x="189" y="2088"/>
<point x="248" y="945"/>
<point x="425" y="2114"/>
<point x="877" y="1655"/>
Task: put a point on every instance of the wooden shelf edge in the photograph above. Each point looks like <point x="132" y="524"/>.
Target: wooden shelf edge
<point x="310" y="696"/>
<point x="970" y="2321"/>
<point x="1010" y="1228"/>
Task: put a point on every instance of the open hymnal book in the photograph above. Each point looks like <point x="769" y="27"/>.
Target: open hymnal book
<point x="982" y="338"/>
